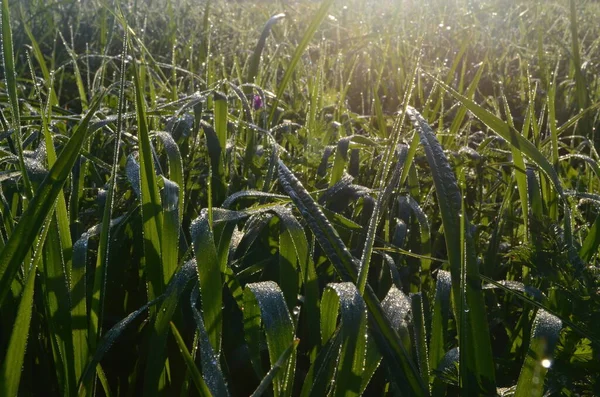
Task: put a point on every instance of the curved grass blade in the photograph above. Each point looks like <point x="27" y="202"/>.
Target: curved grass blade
<point x="294" y="232"/>
<point x="266" y="298"/>
<point x="477" y="369"/>
<point x="351" y="376"/>
<point x="250" y="193"/>
<point x="546" y="330"/>
<point x="255" y="60"/>
<point x="40" y="208"/>
<point x="195" y="374"/>
<point x="344" y="298"/>
<point x="173" y="206"/>
<point x="387" y="339"/>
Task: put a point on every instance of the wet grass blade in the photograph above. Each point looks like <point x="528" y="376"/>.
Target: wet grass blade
<point x="546" y="330"/>
<point x="294" y="233"/>
<point x="173" y="205"/>
<point x="439" y="327"/>
<point x="209" y="360"/>
<point x="267" y="299"/>
<point x="477" y="365"/>
<point x="344" y="298"/>
<point x="381" y="203"/>
<point x="91" y="337"/>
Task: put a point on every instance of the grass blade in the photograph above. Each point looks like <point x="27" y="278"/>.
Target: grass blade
<point x="152" y="216"/>
<point x="477" y="365"/>
<point x="256" y="55"/>
<point x="209" y="277"/>
<point x="279" y="329"/>
<point x="546" y="330"/>
<point x="195" y="374"/>
<point x="344" y="298"/>
<point x="12" y="364"/>
<point x="281" y="361"/>
<point x="310" y="31"/>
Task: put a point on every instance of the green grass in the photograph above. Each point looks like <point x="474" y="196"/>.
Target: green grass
<point x="299" y="198"/>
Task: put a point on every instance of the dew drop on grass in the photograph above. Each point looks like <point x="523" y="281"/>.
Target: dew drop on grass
<point x="546" y="363"/>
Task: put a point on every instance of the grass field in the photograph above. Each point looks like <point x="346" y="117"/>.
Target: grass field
<point x="300" y="198"/>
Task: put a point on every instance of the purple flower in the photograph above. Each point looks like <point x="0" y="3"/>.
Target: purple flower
<point x="257" y="102"/>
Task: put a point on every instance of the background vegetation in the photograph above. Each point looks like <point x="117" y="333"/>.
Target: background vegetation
<point x="386" y="197"/>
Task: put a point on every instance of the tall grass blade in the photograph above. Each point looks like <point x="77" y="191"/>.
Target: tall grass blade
<point x="258" y="50"/>
<point x="381" y="203"/>
<point x="90" y="339"/>
<point x="291" y="67"/>
<point x="152" y="216"/>
<point x="477" y="365"/>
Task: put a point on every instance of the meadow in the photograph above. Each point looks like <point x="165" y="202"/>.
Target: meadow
<point x="300" y="198"/>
